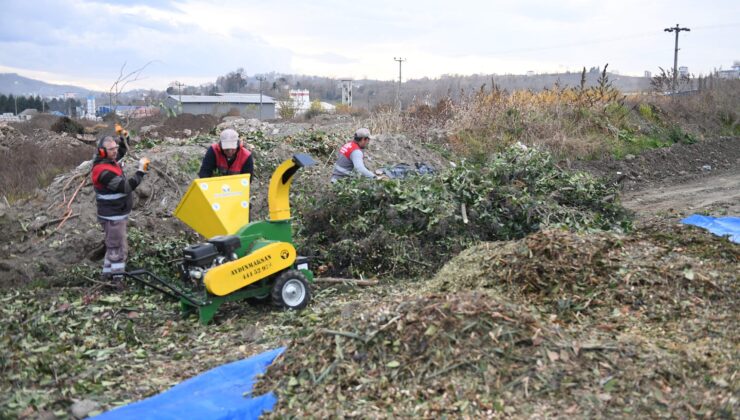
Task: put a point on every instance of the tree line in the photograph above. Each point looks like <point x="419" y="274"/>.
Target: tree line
<point x="11" y="103"/>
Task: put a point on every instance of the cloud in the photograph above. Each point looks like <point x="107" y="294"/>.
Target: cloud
<point x="199" y="40"/>
<point x="90" y="41"/>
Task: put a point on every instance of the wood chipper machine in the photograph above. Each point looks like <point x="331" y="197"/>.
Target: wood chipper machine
<point x="254" y="261"/>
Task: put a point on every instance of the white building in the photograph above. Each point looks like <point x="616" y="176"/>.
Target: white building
<point x="90" y="108"/>
<point x="301" y="99"/>
<point x="733" y="73"/>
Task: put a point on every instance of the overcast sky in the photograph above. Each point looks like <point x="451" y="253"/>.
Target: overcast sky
<point x="86" y="42"/>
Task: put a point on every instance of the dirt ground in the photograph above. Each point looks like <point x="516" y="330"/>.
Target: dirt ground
<point x="718" y="195"/>
<point x="678" y="181"/>
<point x="601" y="325"/>
<point x="56" y="228"/>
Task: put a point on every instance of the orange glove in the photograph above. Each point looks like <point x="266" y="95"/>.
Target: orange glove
<point x="119" y="129"/>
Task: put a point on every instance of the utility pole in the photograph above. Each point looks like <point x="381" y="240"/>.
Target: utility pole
<point x="261" y="78"/>
<point x="179" y="93"/>
<point x="676" y="29"/>
<point x="398" y="92"/>
<point x="15" y="97"/>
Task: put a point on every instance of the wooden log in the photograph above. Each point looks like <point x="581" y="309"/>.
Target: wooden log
<point x="355" y="282"/>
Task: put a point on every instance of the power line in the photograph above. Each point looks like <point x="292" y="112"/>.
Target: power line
<point x="639" y="35"/>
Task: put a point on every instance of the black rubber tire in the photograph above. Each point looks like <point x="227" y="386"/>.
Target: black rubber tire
<point x="294" y="279"/>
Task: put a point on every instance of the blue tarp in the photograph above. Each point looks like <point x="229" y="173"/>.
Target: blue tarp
<point x="720" y="226"/>
<point x="220" y="393"/>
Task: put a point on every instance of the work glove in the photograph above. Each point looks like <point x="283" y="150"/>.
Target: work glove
<point x="120" y="131"/>
<point x="143" y="165"/>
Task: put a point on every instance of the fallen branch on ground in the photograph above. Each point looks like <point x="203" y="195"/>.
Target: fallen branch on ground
<point x="347" y="281"/>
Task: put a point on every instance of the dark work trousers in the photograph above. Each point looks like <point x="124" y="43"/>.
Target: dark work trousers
<point x="116" y="246"/>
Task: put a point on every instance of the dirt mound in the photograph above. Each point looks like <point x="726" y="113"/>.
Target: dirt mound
<point x="581" y="273"/>
<point x="43" y="121"/>
<point x="410" y="357"/>
<point x="472" y="355"/>
<point x="680" y="162"/>
<point x="56" y="228"/>
<point x="177" y="126"/>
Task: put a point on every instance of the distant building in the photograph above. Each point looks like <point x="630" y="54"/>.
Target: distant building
<point x="70" y="95"/>
<point x="248" y="105"/>
<point x="302" y="102"/>
<point x="530" y="73"/>
<point x="301" y="99"/>
<point x="648" y="75"/>
<point x="90" y="108"/>
<point x="733" y="73"/>
<point x="328" y="108"/>
<point x="128" y="111"/>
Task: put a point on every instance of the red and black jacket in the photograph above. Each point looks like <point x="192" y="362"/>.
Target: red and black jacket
<point x="215" y="163"/>
<point x="112" y="188"/>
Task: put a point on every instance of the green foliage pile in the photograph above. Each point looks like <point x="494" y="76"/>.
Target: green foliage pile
<point x="316" y="143"/>
<point x="411" y="227"/>
<point x="67" y="125"/>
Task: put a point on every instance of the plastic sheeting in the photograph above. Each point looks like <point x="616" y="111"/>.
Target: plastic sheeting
<point x="720" y="226"/>
<point x="220" y="393"/>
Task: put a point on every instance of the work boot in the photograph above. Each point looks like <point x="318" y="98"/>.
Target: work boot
<point x="117" y="282"/>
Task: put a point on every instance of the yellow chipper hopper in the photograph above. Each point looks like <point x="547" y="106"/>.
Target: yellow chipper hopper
<point x="240" y="260"/>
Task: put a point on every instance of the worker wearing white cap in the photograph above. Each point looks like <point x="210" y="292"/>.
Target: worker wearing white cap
<point x="227" y="157"/>
<point x="351" y="157"/>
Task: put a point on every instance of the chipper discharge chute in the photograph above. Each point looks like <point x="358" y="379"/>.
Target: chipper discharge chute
<point x="240" y="260"/>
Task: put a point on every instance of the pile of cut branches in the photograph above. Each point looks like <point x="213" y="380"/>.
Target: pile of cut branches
<point x="410" y="227"/>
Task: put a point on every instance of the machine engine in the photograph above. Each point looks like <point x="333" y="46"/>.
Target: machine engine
<point x="199" y="258"/>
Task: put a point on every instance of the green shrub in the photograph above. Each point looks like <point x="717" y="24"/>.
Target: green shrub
<point x="675" y="134"/>
<point x="67" y="125"/>
<point x="410" y="227"/>
<point x="646" y="111"/>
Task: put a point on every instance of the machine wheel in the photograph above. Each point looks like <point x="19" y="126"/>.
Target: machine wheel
<point x="291" y="290"/>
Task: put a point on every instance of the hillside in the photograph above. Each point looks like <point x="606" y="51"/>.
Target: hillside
<point x="11" y="83"/>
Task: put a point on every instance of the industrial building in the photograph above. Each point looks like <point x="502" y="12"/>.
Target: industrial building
<point x="243" y="104"/>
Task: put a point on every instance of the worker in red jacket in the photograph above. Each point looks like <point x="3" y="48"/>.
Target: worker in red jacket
<point x="114" y="200"/>
<point x="351" y="157"/>
<point x="227" y="157"/>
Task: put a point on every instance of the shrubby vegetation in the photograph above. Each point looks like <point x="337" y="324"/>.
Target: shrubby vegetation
<point x="410" y="227"/>
<point x="584" y="122"/>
